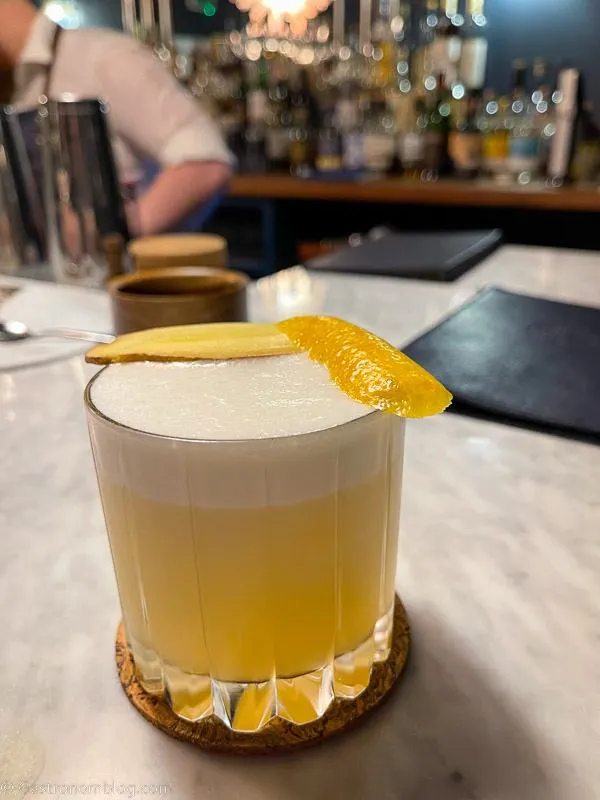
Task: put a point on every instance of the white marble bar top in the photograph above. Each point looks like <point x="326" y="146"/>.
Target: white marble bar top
<point x="499" y="568"/>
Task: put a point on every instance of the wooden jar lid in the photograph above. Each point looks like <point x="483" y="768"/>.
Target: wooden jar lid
<point x="179" y="250"/>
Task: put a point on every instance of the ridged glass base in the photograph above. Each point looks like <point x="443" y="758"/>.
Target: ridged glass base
<point x="147" y="666"/>
<point x="248" y="707"/>
<point x="383" y="635"/>
<point x="252" y="704"/>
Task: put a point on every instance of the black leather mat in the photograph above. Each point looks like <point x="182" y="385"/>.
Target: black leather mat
<point x="433" y="256"/>
<point x="521" y="360"/>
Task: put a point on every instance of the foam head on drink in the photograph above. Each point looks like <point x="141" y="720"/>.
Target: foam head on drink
<point x="250" y="398"/>
<point x="254" y="532"/>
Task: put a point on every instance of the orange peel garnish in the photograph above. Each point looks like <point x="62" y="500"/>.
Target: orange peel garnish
<point x="366" y="368"/>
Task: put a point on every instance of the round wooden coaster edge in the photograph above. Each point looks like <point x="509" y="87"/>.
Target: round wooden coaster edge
<point x="278" y="736"/>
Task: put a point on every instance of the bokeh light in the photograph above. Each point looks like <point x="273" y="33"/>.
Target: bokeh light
<point x="63" y="12"/>
<point x="281" y="17"/>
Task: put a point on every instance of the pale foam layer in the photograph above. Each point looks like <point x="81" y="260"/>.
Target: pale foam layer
<point x="251" y="398"/>
<point x="246" y="414"/>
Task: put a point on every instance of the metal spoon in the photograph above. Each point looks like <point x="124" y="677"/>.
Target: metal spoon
<point x="12" y="331"/>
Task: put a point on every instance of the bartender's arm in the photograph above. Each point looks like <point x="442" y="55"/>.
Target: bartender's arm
<point x="175" y="193"/>
<point x="160" y="121"/>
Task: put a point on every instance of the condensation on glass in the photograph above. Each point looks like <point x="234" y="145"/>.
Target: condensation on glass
<point x="256" y="577"/>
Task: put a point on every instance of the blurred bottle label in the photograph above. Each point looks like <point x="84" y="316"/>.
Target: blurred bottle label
<point x="524" y="147"/>
<point x="379" y="151"/>
<point x="433" y="154"/>
<point x="495" y="146"/>
<point x="278" y="144"/>
<point x="524" y="154"/>
<point x="465" y="150"/>
<point x="299" y="152"/>
<point x="354" y="151"/>
<point x="258" y="106"/>
<point x="412" y="148"/>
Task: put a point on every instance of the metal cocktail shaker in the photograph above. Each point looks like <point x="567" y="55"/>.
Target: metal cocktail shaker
<point x="60" y="198"/>
<point x="21" y="213"/>
<point x="82" y="198"/>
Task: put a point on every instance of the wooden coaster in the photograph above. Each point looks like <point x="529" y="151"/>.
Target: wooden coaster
<point x="277" y="735"/>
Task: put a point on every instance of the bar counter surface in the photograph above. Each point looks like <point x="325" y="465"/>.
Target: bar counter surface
<point x="397" y="190"/>
<point x="499" y="568"/>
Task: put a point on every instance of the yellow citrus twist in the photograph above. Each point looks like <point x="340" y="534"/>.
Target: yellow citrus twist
<point x="367" y="368"/>
<point x="219" y="340"/>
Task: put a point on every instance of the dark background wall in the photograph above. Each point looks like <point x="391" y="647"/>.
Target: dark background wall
<point x="108" y="13"/>
<point x="557" y="30"/>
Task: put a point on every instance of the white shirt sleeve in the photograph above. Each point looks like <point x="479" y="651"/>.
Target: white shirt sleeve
<point x="150" y="111"/>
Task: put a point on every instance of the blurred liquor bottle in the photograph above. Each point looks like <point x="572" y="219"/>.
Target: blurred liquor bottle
<point x="544" y="110"/>
<point x="257" y="108"/>
<point x="586" y="160"/>
<point x="350" y="122"/>
<point x="412" y="143"/>
<point x="279" y="122"/>
<point x="380" y="135"/>
<point x="465" y="141"/>
<point x="329" y="152"/>
<point x="384" y="51"/>
<point x="473" y="59"/>
<point x="493" y="123"/>
<point x="524" y="145"/>
<point x="436" y="132"/>
<point x="568" y="101"/>
<point x="304" y="125"/>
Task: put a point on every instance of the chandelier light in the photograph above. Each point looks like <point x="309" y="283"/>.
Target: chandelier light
<point x="280" y="17"/>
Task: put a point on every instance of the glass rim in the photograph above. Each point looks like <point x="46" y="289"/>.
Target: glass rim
<point x="95" y="411"/>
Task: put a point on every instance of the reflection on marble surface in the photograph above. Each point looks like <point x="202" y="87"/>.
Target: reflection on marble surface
<point x="499" y="567"/>
<point x="46" y="305"/>
<point x="6" y="292"/>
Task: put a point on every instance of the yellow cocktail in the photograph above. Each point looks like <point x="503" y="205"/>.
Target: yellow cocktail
<point x="252" y="510"/>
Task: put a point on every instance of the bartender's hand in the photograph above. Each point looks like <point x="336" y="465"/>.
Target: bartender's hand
<point x="175" y="193"/>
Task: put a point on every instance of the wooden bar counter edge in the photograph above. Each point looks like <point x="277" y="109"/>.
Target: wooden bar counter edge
<point x="398" y="190"/>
